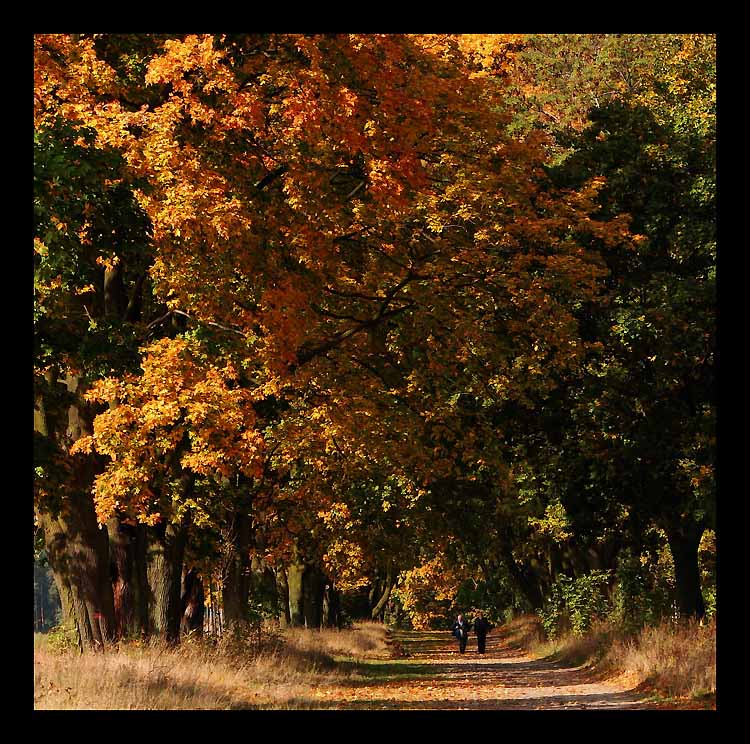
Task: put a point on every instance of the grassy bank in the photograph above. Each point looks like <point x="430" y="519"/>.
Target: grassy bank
<point x="282" y="671"/>
<point x="674" y="661"/>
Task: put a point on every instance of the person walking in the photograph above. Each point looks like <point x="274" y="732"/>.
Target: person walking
<point x="461" y="631"/>
<point x="481" y="628"/>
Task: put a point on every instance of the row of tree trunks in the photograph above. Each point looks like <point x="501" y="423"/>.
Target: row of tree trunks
<point x="128" y="580"/>
<point x="127" y="583"/>
<point x="311" y="598"/>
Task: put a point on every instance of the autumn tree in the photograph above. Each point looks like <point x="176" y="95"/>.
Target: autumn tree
<point x="353" y="269"/>
<point x="93" y="309"/>
<point x="84" y="320"/>
<point x="650" y="143"/>
<point x="638" y="427"/>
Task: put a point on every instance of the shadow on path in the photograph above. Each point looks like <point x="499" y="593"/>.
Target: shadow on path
<point x="599" y="701"/>
<point x="434" y="675"/>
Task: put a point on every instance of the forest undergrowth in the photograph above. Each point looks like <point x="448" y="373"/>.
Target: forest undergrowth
<point x="670" y="660"/>
<point x="278" y="670"/>
<point x="285" y="669"/>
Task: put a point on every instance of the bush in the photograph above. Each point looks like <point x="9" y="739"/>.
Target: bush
<point x="61" y="639"/>
<point x="709" y="599"/>
<point x="630" y="599"/>
<point x="575" y="603"/>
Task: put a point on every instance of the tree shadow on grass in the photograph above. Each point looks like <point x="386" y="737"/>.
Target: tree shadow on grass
<point x="364" y="674"/>
<point x="535" y="673"/>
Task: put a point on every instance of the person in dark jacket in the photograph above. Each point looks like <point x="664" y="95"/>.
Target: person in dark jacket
<point x="481" y="628"/>
<point x="461" y="631"/>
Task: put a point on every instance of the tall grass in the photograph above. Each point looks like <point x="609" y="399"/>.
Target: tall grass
<point x="672" y="659"/>
<point x="282" y="672"/>
<point x="677" y="660"/>
<point x="366" y="640"/>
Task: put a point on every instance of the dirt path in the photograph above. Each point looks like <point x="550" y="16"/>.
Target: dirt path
<point x="433" y="675"/>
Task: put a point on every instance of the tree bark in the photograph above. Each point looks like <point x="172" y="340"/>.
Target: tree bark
<point x="282" y="587"/>
<point x="236" y="579"/>
<point x="331" y="607"/>
<point x="114" y="292"/>
<point x="192" y="603"/>
<point x="313" y="590"/>
<point x="378" y="610"/>
<point x="683" y="540"/>
<point x="122" y="570"/>
<point x="294" y="581"/>
<point x="141" y="591"/>
<point x="164" y="556"/>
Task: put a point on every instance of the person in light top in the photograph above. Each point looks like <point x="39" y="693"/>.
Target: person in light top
<point x="461" y="631"/>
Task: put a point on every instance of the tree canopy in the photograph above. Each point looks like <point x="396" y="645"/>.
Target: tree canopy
<point x="370" y="310"/>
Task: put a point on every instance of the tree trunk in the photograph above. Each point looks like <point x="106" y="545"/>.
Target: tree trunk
<point x="378" y="610"/>
<point x="77" y="548"/>
<point x="78" y="553"/>
<point x="373" y="593"/>
<point x="128" y="568"/>
<point x="523" y="578"/>
<point x="313" y="589"/>
<point x="122" y="569"/>
<point x="114" y="292"/>
<point x="213" y="607"/>
<point x="684" y="539"/>
<point x="236" y="580"/>
<point x="164" y="556"/>
<point x="331" y="607"/>
<point x="282" y="588"/>
<point x="192" y="603"/>
<point x="294" y="580"/>
<point x="141" y="591"/>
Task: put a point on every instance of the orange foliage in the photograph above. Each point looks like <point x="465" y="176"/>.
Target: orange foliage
<point x="425" y="592"/>
<point x="181" y="413"/>
<point x="333" y="202"/>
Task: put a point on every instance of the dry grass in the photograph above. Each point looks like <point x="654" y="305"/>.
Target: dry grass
<point x="281" y="673"/>
<point x="366" y="640"/>
<point x="576" y="650"/>
<point x="675" y="660"/>
<point x="523" y="633"/>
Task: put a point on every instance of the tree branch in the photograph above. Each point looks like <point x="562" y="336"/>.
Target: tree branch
<point x="211" y="323"/>
<point x="169" y="313"/>
<point x="305" y="354"/>
<point x="272" y="176"/>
